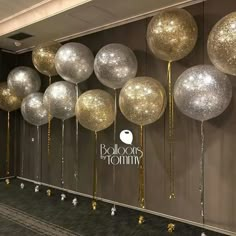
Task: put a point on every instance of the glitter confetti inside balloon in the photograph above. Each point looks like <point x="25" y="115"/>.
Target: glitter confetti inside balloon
<point x="114" y="64"/>
<point x="43" y="57"/>
<point x="8" y="100"/>
<point x="60" y="99"/>
<point x="222" y="43"/>
<point x="74" y="62"/>
<point x="202" y="92"/>
<point x="95" y="110"/>
<point x="33" y="109"/>
<point x="142" y="100"/>
<point x="172" y="34"/>
<point x="23" y="81"/>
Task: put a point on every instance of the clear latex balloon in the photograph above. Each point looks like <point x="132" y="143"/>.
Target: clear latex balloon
<point x="74" y="62"/>
<point x="60" y="99"/>
<point x="114" y="65"/>
<point x="95" y="110"/>
<point x="33" y="109"/>
<point x="43" y="57"/>
<point x="172" y="34"/>
<point x="8" y="100"/>
<point x="23" y="81"/>
<point x="142" y="100"/>
<point x="222" y="43"/>
<point x="202" y="92"/>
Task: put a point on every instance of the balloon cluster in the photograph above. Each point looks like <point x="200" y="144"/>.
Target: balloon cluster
<point x="171" y="35"/>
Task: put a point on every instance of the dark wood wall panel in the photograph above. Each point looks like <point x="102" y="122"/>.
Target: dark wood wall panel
<point x="220" y="136"/>
<point x="7" y="62"/>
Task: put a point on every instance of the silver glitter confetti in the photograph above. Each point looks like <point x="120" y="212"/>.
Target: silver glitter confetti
<point x="202" y="92"/>
<point x="114" y="65"/>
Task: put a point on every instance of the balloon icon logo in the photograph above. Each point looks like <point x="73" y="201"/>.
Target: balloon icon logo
<point x="126" y="136"/>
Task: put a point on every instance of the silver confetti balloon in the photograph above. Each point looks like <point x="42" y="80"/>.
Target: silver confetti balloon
<point x="33" y="109"/>
<point x="74" y="62"/>
<point x="114" y="65"/>
<point x="23" y="81"/>
<point x="60" y="99"/>
<point x="202" y="92"/>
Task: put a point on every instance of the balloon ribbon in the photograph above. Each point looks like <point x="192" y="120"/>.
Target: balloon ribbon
<point x="141" y="178"/>
<point x="39" y="163"/>
<point x="94" y="202"/>
<point x="171" y="132"/>
<point x="62" y="153"/>
<point x="114" y="140"/>
<point x="23" y="150"/>
<point x="77" y="143"/>
<point x="202" y="173"/>
<point x="8" y="145"/>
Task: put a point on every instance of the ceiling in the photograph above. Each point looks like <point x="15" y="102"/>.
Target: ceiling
<point x="62" y="19"/>
<point x="12" y="7"/>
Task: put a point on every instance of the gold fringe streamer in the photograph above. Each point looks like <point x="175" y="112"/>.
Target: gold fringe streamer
<point x="8" y="145"/>
<point x="49" y="126"/>
<point x="141" y="178"/>
<point x="171" y="132"/>
<point x="94" y="202"/>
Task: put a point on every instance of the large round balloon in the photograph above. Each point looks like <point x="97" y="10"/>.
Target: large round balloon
<point x="222" y="43"/>
<point x="95" y="110"/>
<point x="23" y="81"/>
<point x="202" y="92"/>
<point x="74" y="62"/>
<point x="43" y="57"/>
<point x="60" y="99"/>
<point x="172" y="34"/>
<point x="114" y="64"/>
<point x="33" y="109"/>
<point x="142" y="100"/>
<point x="8" y="100"/>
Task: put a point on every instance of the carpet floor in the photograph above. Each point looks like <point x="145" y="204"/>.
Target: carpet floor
<point x="24" y="212"/>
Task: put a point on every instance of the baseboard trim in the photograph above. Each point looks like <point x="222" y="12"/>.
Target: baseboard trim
<point x="9" y="177"/>
<point x="207" y="227"/>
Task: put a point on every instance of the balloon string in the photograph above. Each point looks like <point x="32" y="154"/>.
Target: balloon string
<point x="202" y="174"/>
<point x="141" y="177"/>
<point x="38" y="163"/>
<point x="8" y="145"/>
<point x="23" y="151"/>
<point x="171" y="132"/>
<point x="94" y="203"/>
<point x="62" y="153"/>
<point x="76" y="144"/>
<point x="114" y="140"/>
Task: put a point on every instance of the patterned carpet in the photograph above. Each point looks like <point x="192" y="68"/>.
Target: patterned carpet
<point x="24" y="212"/>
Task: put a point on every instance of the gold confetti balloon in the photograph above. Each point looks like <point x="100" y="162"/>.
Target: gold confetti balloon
<point x="142" y="100"/>
<point x="221" y="44"/>
<point x="8" y="100"/>
<point x="43" y="57"/>
<point x="172" y="34"/>
<point x="95" y="110"/>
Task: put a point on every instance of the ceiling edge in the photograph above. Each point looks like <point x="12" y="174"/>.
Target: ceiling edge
<point x="118" y="23"/>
